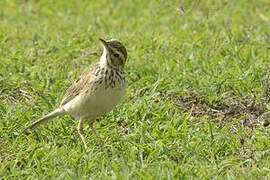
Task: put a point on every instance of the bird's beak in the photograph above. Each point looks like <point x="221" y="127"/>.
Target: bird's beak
<point x="105" y="43"/>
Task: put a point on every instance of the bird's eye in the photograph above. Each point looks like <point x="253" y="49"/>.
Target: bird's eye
<point x="116" y="55"/>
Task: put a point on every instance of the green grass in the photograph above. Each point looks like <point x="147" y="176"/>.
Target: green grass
<point x="182" y="63"/>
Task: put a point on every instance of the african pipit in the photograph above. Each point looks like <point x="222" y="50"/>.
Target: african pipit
<point x="97" y="91"/>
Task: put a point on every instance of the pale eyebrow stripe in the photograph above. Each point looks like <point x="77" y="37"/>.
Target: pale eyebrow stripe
<point x="119" y="48"/>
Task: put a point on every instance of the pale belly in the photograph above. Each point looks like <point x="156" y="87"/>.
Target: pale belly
<point x="96" y="104"/>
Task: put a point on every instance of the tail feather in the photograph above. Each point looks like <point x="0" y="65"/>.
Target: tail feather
<point x="55" y="113"/>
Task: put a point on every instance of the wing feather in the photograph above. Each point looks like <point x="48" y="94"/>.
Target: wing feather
<point x="83" y="82"/>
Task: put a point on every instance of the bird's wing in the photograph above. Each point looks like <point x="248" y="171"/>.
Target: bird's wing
<point x="85" y="80"/>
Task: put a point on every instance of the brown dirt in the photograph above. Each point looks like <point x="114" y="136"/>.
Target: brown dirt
<point x="15" y="95"/>
<point x="227" y="108"/>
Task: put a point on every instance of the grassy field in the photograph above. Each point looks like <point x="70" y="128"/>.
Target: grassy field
<point x="198" y="74"/>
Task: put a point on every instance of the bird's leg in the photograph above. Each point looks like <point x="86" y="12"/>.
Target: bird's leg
<point x="81" y="132"/>
<point x="91" y="125"/>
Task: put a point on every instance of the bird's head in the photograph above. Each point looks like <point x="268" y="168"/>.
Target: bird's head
<point x="114" y="53"/>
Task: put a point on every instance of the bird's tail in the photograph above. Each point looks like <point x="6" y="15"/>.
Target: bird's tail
<point x="44" y="119"/>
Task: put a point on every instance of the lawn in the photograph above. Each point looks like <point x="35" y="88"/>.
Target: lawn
<point x="198" y="82"/>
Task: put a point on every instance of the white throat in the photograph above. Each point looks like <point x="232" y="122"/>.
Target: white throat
<point x="103" y="59"/>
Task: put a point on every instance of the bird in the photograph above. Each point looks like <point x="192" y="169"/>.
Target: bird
<point x="96" y="92"/>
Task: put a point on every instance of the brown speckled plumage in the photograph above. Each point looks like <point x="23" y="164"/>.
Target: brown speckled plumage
<point x="97" y="90"/>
